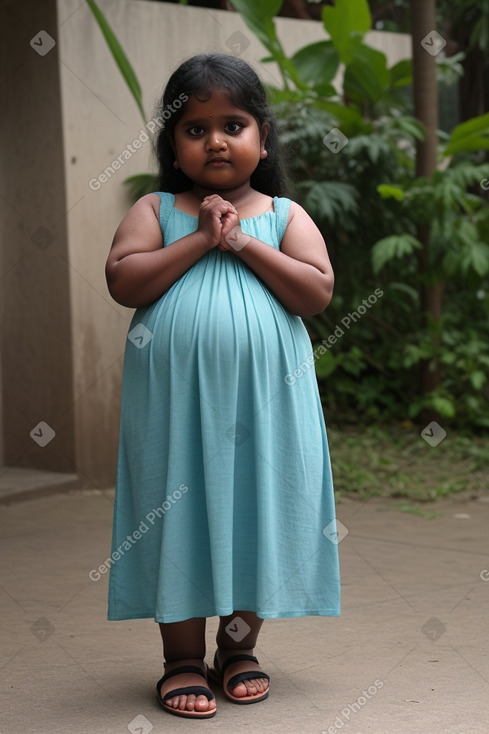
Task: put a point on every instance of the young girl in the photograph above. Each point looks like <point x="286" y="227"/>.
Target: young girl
<point x="224" y="503"/>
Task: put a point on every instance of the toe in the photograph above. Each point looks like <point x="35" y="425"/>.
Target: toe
<point x="240" y="690"/>
<point x="202" y="703"/>
<point x="251" y="688"/>
<point x="254" y="686"/>
<point x="182" y="703"/>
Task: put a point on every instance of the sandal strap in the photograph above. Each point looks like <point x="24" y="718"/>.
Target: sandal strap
<point x="236" y="659"/>
<point x="183" y="669"/>
<point x="196" y="690"/>
<point x="187" y="690"/>
<point x="240" y="677"/>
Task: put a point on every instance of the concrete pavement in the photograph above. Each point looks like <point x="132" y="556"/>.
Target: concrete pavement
<point x="408" y="654"/>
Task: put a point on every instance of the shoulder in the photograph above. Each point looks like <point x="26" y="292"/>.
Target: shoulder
<point x="144" y="213"/>
<point x="296" y="211"/>
<point x="147" y="202"/>
<point x="159" y="203"/>
<point x="301" y="226"/>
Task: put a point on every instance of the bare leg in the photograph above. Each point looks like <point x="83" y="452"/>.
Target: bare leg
<point x="184" y="644"/>
<point x="228" y="646"/>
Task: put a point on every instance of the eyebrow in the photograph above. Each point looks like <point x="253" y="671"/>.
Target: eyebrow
<point x="199" y="120"/>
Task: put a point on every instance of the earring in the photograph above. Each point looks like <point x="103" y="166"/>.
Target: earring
<point x="264" y="154"/>
<point x="175" y="165"/>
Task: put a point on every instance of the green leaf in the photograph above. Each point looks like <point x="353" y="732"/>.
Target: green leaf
<point x="466" y="174"/>
<point x="443" y="406"/>
<point x="467" y="144"/>
<point x="350" y="121"/>
<point x="317" y="63"/>
<point x="330" y="201"/>
<point x="408" y="290"/>
<point x="393" y="247"/>
<point x="390" y="192"/>
<point x="326" y="364"/>
<point x="401" y="73"/>
<point x="118" y="55"/>
<point x="325" y="90"/>
<point x="367" y="75"/>
<point x="277" y="95"/>
<point x="409" y="125"/>
<point x="476" y="256"/>
<point x="347" y="22"/>
<point x="259" y="16"/>
<point x="373" y="146"/>
<point x="470" y="135"/>
<point x="258" y="12"/>
<point x="469" y="127"/>
<point x="477" y="379"/>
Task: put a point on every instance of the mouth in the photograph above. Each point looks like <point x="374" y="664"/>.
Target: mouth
<point x="218" y="162"/>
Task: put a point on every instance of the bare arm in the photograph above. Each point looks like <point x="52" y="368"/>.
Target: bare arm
<point x="139" y="269"/>
<point x="300" y="274"/>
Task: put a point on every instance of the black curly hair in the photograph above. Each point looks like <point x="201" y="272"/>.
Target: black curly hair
<point x="199" y="75"/>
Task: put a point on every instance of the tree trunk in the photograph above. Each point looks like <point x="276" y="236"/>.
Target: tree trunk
<point x="423" y="16"/>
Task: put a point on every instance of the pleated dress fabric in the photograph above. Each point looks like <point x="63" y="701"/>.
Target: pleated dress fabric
<point x="224" y="496"/>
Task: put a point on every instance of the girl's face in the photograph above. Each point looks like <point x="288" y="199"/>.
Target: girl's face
<point x="218" y="145"/>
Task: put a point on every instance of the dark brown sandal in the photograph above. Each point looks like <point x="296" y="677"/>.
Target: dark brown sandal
<point x="196" y="690"/>
<point x="217" y="674"/>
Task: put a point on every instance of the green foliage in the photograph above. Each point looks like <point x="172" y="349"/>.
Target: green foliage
<point x="259" y="18"/>
<point x="470" y="135"/>
<point x="370" y="206"/>
<point x="317" y="61"/>
<point x="332" y="202"/>
<point x="347" y="22"/>
<point x="392" y="247"/>
<point x="118" y="55"/>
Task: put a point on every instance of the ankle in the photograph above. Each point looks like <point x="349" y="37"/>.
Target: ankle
<point x="177" y="662"/>
<point x="224" y="653"/>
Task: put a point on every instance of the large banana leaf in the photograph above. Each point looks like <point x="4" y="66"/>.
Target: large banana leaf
<point x="347" y="22"/>
<point x="118" y="55"/>
<point x="258" y="16"/>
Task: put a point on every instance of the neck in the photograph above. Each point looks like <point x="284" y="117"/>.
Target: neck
<point x="237" y="196"/>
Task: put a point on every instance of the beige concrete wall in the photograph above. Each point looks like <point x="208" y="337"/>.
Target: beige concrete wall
<point x="35" y="313"/>
<point x="99" y="119"/>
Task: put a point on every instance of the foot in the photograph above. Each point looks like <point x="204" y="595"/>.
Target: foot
<point x="191" y="702"/>
<point x="253" y="686"/>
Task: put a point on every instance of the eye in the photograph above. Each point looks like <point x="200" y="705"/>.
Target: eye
<point x="233" y="127"/>
<point x="195" y="130"/>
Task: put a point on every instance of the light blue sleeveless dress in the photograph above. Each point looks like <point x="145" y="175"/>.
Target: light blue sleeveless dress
<point x="224" y="496"/>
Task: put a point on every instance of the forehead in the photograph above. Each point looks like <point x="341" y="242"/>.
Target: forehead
<point x="217" y="102"/>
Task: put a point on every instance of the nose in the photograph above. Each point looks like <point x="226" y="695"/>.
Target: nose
<point x="216" y="141"/>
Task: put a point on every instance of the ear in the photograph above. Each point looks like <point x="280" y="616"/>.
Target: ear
<point x="263" y="136"/>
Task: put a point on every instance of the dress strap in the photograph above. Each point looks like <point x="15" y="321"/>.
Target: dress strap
<point x="281" y="206"/>
<point x="167" y="202"/>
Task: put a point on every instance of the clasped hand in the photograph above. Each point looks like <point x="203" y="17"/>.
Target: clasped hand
<point x="217" y="217"/>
